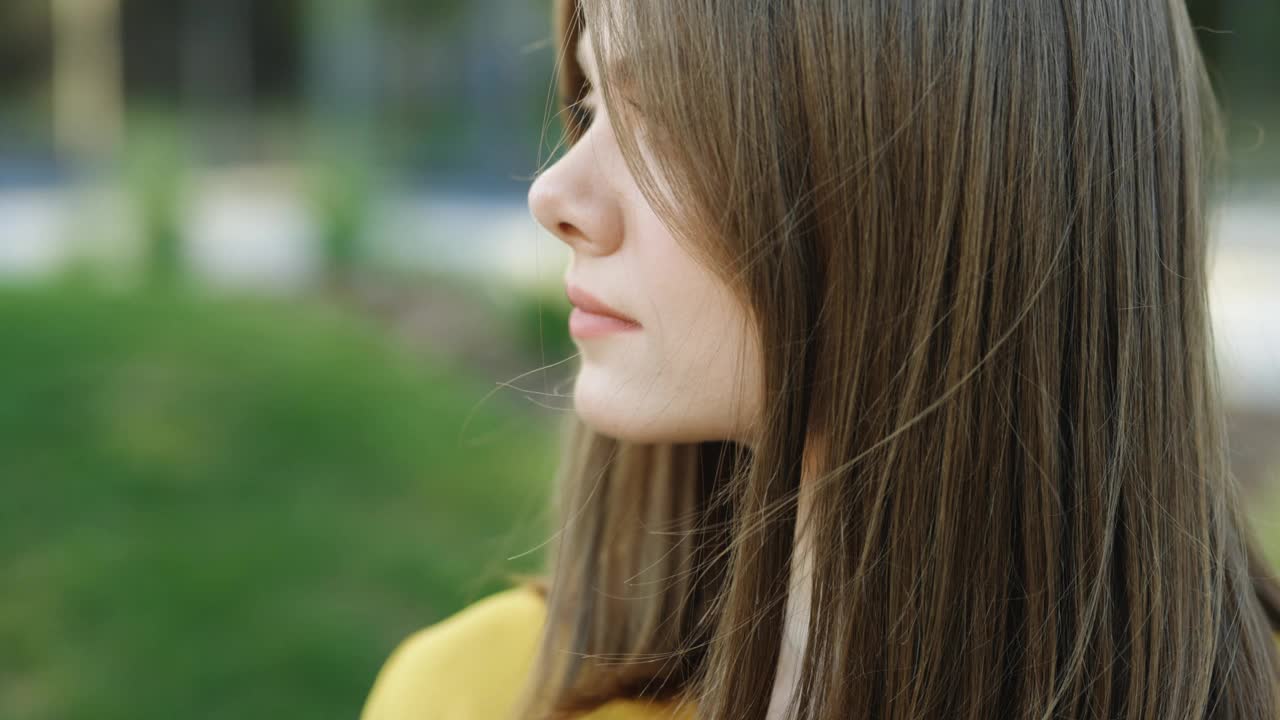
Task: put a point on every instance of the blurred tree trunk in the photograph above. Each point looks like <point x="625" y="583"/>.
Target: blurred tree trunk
<point x="341" y="63"/>
<point x="88" y="92"/>
<point x="217" y="64"/>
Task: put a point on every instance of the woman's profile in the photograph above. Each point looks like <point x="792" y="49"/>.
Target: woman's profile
<point x="896" y="393"/>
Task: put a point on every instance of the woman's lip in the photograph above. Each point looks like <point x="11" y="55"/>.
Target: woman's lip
<point x="585" y="301"/>
<point x="584" y="324"/>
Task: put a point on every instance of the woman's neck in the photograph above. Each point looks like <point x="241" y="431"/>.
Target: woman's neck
<point x="796" y="624"/>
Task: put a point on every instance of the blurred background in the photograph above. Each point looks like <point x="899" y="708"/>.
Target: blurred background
<point x="274" y="319"/>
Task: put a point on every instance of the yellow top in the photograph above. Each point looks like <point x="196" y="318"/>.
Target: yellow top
<point x="472" y="665"/>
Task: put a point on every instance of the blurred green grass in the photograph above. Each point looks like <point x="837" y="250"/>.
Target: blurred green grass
<point x="236" y="508"/>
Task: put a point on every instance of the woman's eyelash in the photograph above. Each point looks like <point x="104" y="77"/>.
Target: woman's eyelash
<point x="583" y="112"/>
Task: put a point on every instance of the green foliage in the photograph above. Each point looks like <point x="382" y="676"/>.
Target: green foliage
<point x="541" y="321"/>
<point x="235" y="509"/>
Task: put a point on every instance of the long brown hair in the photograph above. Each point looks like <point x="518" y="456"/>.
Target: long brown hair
<point x="973" y="236"/>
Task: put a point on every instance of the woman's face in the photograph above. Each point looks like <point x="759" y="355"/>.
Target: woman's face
<point x="688" y="370"/>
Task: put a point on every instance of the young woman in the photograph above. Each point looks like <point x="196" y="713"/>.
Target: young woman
<point x="896" y="394"/>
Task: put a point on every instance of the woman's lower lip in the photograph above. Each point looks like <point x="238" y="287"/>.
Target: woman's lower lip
<point x="583" y="324"/>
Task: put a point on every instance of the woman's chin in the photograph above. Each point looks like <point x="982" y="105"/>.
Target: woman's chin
<point x="617" y="408"/>
<point x="602" y="402"/>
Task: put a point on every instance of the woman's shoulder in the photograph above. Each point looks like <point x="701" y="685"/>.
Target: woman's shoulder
<point x="473" y="664"/>
<point x="470" y="665"/>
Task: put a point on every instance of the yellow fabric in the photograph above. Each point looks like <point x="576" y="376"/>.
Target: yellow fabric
<point x="472" y="666"/>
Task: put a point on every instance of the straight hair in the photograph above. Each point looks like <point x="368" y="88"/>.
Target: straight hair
<point x="973" y="235"/>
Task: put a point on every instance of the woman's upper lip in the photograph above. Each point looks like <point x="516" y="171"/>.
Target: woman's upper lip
<point x="584" y="300"/>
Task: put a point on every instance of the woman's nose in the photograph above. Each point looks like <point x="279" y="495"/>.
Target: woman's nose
<point x="571" y="201"/>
